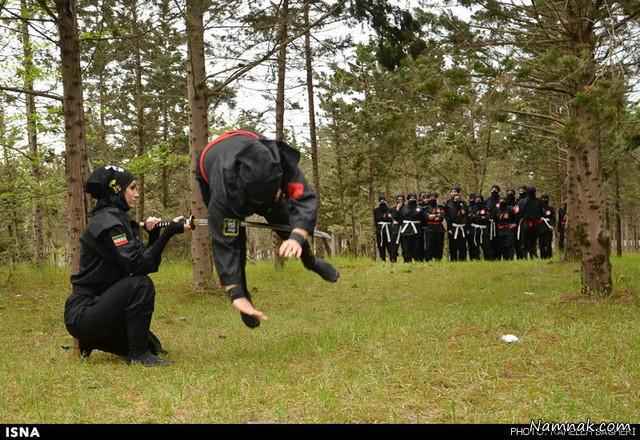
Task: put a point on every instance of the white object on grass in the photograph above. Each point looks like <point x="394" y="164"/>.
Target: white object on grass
<point x="509" y="338"/>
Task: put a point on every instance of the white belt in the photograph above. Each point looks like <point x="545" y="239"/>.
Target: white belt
<point x="547" y="222"/>
<point x="519" y="227"/>
<point x="476" y="226"/>
<point x="384" y="227"/>
<point x="458" y="229"/>
<point x="405" y="225"/>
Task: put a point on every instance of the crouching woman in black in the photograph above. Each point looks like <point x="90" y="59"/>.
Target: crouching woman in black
<point x="113" y="298"/>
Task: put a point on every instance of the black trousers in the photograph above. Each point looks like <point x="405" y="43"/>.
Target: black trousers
<point x="473" y="243"/>
<point x="410" y="247"/>
<point x="457" y="246"/>
<point x="434" y="238"/>
<point x="529" y="239"/>
<point x="385" y="244"/>
<point x="546" y="242"/>
<point x="561" y="239"/>
<point x="118" y="321"/>
<point x="505" y="241"/>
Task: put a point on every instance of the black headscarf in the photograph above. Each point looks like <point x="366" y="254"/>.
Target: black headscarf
<point x="107" y="185"/>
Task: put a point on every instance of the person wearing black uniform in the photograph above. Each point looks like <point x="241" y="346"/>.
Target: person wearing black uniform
<point x="423" y="204"/>
<point x="112" y="300"/>
<point x="530" y="212"/>
<point x="457" y="214"/>
<point x="241" y="173"/>
<point x="519" y="245"/>
<point x="434" y="229"/>
<point x="396" y="224"/>
<point x="562" y="225"/>
<point x="383" y="220"/>
<point x="472" y="245"/>
<point x="491" y="205"/>
<point x="546" y="228"/>
<point x="506" y="223"/>
<point x="411" y="229"/>
<point x="480" y="230"/>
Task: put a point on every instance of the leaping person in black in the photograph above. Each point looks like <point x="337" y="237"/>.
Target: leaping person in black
<point x="240" y="174"/>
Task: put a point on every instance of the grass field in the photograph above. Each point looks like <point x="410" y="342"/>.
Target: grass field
<point x="405" y="343"/>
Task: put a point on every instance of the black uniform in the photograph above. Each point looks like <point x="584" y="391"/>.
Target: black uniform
<point x="396" y="224"/>
<point x="472" y="244"/>
<point x="546" y="228"/>
<point x="411" y="230"/>
<point x="506" y="223"/>
<point x="112" y="300"/>
<point x="434" y="230"/>
<point x="423" y="204"/>
<point x="491" y="205"/>
<point x="562" y="225"/>
<point x="530" y="211"/>
<point x="522" y="195"/>
<point x="457" y="218"/>
<point x="384" y="221"/>
<point x="239" y="174"/>
<point x="483" y="231"/>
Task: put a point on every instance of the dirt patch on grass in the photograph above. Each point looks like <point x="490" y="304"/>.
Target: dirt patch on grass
<point x="619" y="296"/>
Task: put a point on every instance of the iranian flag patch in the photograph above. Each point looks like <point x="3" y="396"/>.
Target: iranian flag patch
<point x="120" y="240"/>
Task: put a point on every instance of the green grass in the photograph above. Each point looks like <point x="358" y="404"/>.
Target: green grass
<point x="405" y="343"/>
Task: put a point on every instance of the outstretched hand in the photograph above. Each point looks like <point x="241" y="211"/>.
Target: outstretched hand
<point x="290" y="248"/>
<point x="243" y="305"/>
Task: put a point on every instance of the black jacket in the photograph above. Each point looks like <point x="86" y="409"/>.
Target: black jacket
<point x="227" y="200"/>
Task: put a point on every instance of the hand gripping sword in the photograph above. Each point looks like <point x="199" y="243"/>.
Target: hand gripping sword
<point x="194" y="222"/>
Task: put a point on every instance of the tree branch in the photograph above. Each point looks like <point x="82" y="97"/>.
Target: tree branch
<point x="34" y="93"/>
<point x="244" y="69"/>
<point x="533" y="115"/>
<point x="533" y="127"/>
<point x="48" y="10"/>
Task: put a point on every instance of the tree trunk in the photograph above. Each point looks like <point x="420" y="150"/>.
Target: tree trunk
<point x="591" y="233"/>
<point x="617" y="212"/>
<point x="282" y="69"/>
<point x="32" y="136"/>
<point x="165" y="171"/>
<point x="280" y="107"/>
<point x="572" y="250"/>
<point x="197" y="94"/>
<point x="139" y="103"/>
<point x="75" y="141"/>
<point x="312" y="123"/>
<point x="12" y="226"/>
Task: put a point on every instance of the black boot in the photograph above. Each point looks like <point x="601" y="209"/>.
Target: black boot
<point x="155" y="346"/>
<point x="325" y="270"/>
<point x="318" y="265"/>
<point x="148" y="359"/>
<point x="85" y="351"/>
<point x="249" y="321"/>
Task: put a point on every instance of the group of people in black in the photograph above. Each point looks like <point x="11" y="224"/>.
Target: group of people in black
<point x="498" y="228"/>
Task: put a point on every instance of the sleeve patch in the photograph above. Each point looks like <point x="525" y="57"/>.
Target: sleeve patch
<point x="120" y="240"/>
<point x="231" y="227"/>
<point x="295" y="190"/>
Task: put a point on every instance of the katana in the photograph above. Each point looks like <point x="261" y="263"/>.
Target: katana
<point x="195" y="222"/>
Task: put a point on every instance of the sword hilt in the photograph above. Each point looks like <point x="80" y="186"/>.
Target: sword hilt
<point x="188" y="221"/>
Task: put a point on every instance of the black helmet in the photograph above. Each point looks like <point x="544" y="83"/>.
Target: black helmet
<point x="108" y="180"/>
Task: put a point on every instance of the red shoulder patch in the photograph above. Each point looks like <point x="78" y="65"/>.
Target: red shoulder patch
<point x="295" y="190"/>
